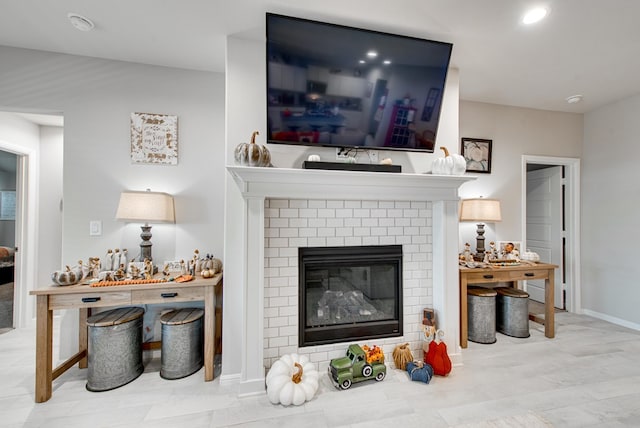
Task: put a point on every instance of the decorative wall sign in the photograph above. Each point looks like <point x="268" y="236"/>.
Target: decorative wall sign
<point x="154" y="138"/>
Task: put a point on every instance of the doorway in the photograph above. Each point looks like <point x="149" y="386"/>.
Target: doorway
<point x="551" y="223"/>
<point x="8" y="179"/>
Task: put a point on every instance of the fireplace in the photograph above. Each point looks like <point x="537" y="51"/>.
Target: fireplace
<point x="278" y="210"/>
<point x="349" y="293"/>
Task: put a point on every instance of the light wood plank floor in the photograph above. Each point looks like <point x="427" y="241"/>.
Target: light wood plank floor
<point x="588" y="376"/>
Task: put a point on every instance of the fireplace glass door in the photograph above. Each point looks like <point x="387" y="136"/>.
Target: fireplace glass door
<point x="350" y="293"/>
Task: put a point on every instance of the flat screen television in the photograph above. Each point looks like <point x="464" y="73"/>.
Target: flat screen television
<point x="337" y="86"/>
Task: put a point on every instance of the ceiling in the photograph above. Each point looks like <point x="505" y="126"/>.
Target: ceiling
<point x="587" y="47"/>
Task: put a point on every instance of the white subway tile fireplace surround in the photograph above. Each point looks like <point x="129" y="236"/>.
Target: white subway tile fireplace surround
<point x="294" y="223"/>
<point x="287" y="208"/>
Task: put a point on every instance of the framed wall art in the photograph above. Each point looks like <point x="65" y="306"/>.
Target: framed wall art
<point x="477" y="154"/>
<point x="154" y="138"/>
<point x="508" y="249"/>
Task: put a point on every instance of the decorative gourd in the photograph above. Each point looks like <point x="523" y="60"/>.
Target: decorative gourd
<point x="69" y="276"/>
<point x="211" y="263"/>
<point x="450" y="164"/>
<point x="252" y="154"/>
<point x="208" y="273"/>
<point x="293" y="379"/>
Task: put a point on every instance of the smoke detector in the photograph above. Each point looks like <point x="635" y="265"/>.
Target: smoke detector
<point x="80" y="22"/>
<point x="573" y="99"/>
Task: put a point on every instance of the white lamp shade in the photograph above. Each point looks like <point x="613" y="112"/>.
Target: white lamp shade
<point x="148" y="207"/>
<point x="480" y="209"/>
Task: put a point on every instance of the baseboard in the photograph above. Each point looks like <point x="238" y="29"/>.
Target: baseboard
<point x="229" y="380"/>
<point x="612" y="320"/>
<point x="343" y="166"/>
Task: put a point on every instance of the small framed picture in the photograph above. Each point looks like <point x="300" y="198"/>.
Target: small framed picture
<point x="477" y="154"/>
<point x="509" y="250"/>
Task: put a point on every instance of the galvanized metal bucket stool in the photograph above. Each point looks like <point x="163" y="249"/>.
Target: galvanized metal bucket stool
<point x="114" y="348"/>
<point x="481" y="307"/>
<point x="512" y="312"/>
<point x="182" y="343"/>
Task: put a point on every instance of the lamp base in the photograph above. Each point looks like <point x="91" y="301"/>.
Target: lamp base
<point x="479" y="256"/>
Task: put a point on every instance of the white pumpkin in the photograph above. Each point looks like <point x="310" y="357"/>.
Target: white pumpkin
<point x="252" y="154"/>
<point x="293" y="379"/>
<point x="450" y="164"/>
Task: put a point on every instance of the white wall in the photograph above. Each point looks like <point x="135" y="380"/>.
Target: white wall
<point x="610" y="202"/>
<point x="50" y="203"/>
<point x="515" y="132"/>
<point x="97" y="97"/>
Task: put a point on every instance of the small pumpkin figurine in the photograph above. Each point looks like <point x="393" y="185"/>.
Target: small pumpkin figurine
<point x="69" y="276"/>
<point x="252" y="154"/>
<point x="450" y="164"/>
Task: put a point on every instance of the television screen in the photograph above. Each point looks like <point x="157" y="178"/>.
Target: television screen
<point x="337" y="86"/>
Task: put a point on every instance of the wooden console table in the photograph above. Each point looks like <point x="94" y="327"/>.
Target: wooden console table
<point x="512" y="274"/>
<point x="85" y="297"/>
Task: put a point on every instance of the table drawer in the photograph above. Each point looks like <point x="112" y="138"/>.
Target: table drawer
<point x="504" y="276"/>
<point x="89" y="300"/>
<point x="524" y="275"/>
<point x="487" y="277"/>
<point x="167" y="295"/>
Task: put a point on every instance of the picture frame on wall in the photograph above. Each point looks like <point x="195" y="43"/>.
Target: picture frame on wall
<point x="477" y="154"/>
<point x="154" y="138"/>
<point x="509" y="250"/>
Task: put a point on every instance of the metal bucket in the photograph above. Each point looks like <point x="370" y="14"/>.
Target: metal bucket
<point x="512" y="312"/>
<point x="481" y="307"/>
<point x="114" y="348"/>
<point x="182" y="343"/>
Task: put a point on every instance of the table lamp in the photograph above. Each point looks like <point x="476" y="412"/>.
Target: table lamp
<point x="147" y="207"/>
<point x="483" y="211"/>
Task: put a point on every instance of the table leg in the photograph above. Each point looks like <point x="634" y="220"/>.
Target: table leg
<point x="44" y="349"/>
<point x="83" y="336"/>
<point x="463" y="312"/>
<point x="549" y="311"/>
<point x="209" y="332"/>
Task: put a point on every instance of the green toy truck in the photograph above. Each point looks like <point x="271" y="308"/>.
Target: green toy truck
<point x="358" y="365"/>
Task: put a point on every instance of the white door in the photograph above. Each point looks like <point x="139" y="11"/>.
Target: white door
<point x="545" y="227"/>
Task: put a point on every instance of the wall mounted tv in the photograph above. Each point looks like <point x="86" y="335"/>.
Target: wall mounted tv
<point x="336" y="86"/>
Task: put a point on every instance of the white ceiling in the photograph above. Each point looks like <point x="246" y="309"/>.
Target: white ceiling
<point x="587" y="47"/>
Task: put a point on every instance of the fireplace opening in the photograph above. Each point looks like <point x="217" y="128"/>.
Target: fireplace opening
<point x="349" y="293"/>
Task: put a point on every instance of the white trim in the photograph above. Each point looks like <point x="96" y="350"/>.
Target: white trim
<point x="612" y="320"/>
<point x="572" y="177"/>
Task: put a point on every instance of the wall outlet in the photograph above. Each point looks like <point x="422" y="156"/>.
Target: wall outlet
<point x="373" y="156"/>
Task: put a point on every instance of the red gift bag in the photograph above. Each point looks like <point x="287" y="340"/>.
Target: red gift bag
<point x="438" y="358"/>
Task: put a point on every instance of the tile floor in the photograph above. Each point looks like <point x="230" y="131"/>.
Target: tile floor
<point x="588" y="376"/>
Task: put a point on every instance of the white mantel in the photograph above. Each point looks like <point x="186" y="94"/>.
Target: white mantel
<point x="258" y="184"/>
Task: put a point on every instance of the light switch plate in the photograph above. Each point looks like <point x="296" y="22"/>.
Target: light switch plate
<point x="95" y="228"/>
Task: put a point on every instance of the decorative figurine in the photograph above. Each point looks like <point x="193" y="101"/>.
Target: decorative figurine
<point x="148" y="269"/>
<point x="108" y="260"/>
<point x="358" y="365"/>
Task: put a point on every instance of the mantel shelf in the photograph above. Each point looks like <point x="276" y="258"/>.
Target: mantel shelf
<point x="294" y="183"/>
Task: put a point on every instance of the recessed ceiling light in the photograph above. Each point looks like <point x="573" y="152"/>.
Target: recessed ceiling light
<point x="574" y="99"/>
<point x="534" y="15"/>
<point x="362" y="61"/>
<point x="80" y="22"/>
<point x="372" y="54"/>
<point x="386" y="62"/>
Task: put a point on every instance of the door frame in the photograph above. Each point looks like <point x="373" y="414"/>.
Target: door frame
<point x="572" y="212"/>
<point x="26" y="232"/>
